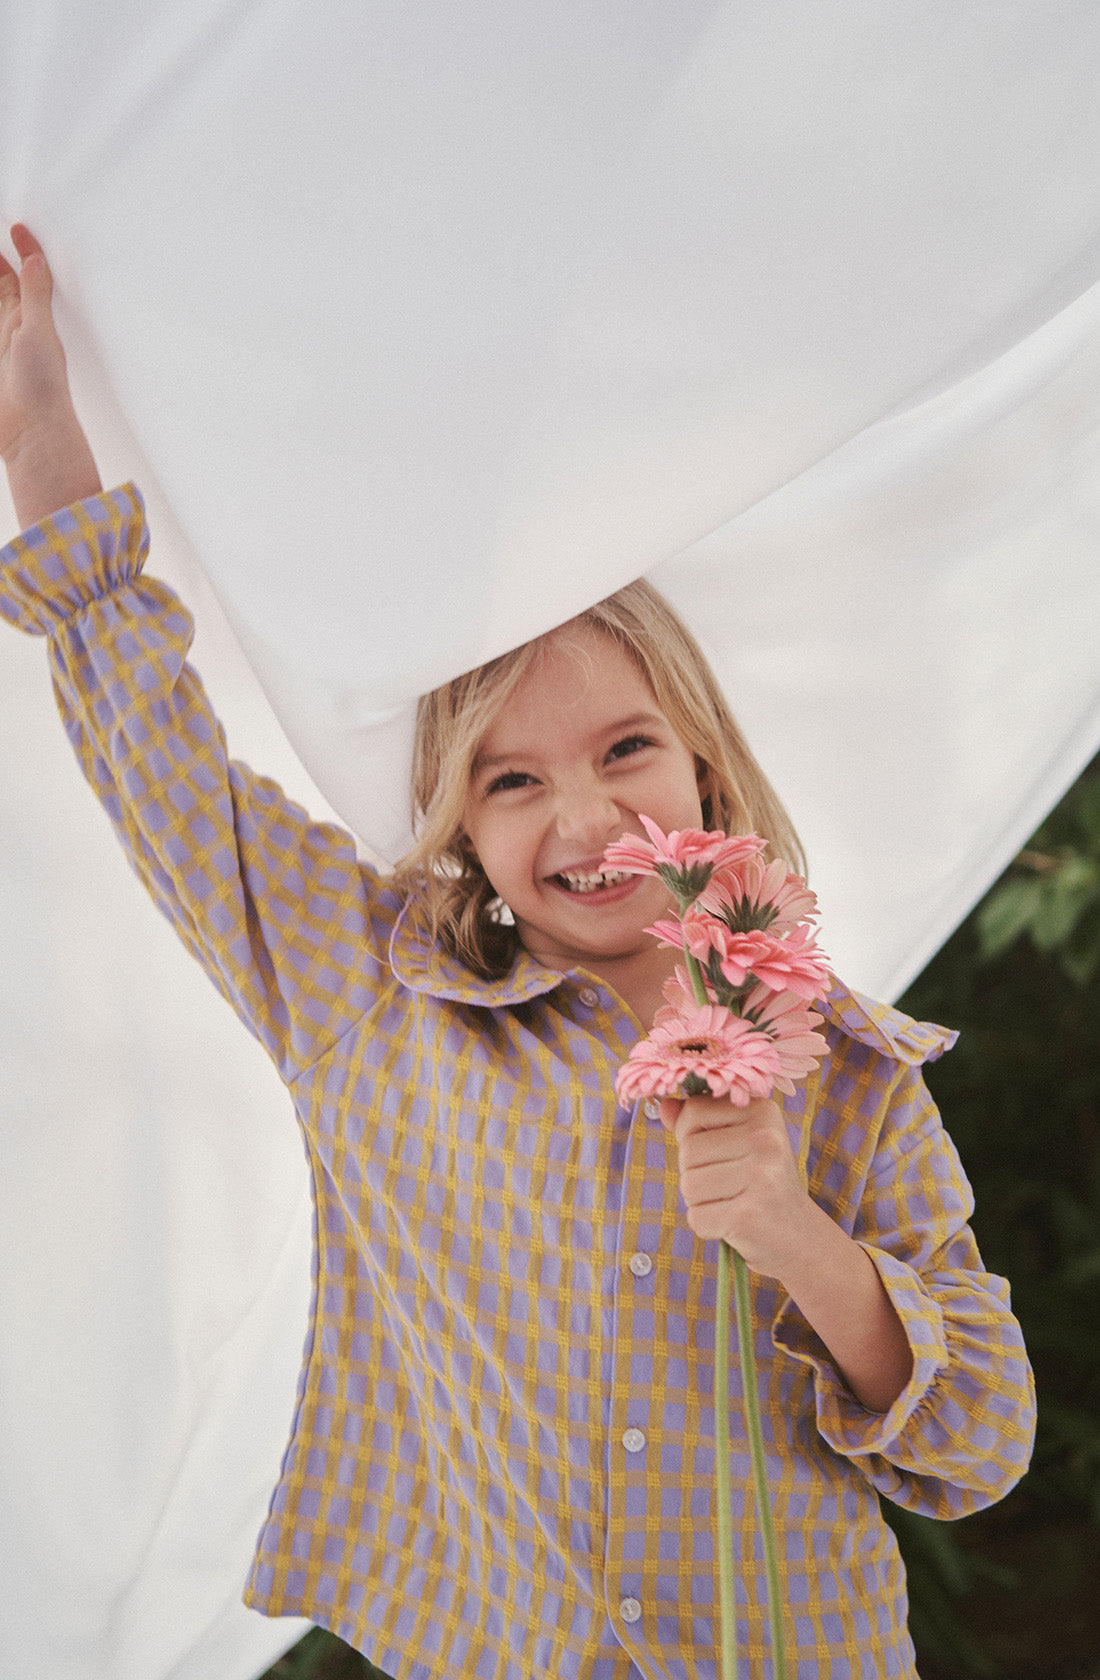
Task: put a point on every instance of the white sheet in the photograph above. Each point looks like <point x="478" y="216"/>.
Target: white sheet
<point x="423" y="327"/>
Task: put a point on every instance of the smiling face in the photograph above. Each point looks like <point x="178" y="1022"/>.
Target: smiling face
<point x="580" y="748"/>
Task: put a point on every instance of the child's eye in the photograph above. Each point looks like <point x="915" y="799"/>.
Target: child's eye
<point x="628" y="745"/>
<point x="510" y="779"/>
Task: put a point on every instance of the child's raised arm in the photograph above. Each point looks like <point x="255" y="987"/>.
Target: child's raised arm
<point x="42" y="443"/>
<point x="277" y="909"/>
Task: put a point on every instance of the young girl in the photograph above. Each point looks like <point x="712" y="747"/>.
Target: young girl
<point x="502" y="1452"/>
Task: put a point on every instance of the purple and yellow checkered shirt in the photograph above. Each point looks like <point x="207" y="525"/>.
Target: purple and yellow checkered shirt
<point x="502" y="1452"/>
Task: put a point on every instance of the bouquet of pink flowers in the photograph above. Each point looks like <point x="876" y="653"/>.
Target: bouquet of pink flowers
<point x="736" y="1026"/>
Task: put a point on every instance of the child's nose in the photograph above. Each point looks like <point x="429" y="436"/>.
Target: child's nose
<point x="587" y="812"/>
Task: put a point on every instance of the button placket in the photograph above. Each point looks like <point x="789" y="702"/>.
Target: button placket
<point x="629" y="1489"/>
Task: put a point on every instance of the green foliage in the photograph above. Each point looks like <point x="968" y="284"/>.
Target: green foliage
<point x="1021" y="1097"/>
<point x="322" y="1656"/>
<point x="1052" y="893"/>
<point x="942" y="1574"/>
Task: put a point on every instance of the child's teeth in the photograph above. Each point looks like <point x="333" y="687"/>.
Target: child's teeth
<point x="590" y="882"/>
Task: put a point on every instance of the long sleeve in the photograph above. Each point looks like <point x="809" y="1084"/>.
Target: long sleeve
<point x="960" y="1434"/>
<point x="278" y="910"/>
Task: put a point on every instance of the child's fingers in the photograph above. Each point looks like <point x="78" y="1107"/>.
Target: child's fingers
<point x="25" y="242"/>
<point x="669" y="1112"/>
<point x="35" y="279"/>
<point x="702" y="1113"/>
<point x="9" y="279"/>
<point x="9" y="303"/>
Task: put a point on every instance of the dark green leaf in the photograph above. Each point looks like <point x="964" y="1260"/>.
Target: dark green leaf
<point x="1061" y="899"/>
<point x="1086" y="807"/>
<point x="1006" y="912"/>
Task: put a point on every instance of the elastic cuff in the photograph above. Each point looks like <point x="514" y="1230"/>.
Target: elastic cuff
<point x="848" y="1427"/>
<point x="72" y="558"/>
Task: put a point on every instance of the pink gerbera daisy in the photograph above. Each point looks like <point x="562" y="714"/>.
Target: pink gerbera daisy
<point x="757" y="895"/>
<point x="793" y="963"/>
<point x="679" y="995"/>
<point x="685" y="859"/>
<point x="701" y="1051"/>
<point x="790" y="1026"/>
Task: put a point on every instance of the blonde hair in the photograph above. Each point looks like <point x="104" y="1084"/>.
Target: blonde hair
<point x="462" y="910"/>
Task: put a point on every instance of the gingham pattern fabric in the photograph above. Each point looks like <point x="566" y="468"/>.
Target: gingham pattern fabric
<point x="502" y="1449"/>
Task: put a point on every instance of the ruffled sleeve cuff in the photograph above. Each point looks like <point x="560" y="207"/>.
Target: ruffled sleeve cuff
<point x="72" y="558"/>
<point x="848" y="1427"/>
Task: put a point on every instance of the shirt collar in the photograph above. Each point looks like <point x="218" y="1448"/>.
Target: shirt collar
<point x="423" y="967"/>
<point x="420" y="965"/>
<point x="883" y="1028"/>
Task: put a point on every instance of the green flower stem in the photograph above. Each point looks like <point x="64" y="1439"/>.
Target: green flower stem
<point x="727" y="1641"/>
<point x="756" y="1450"/>
<point x="727" y="1655"/>
<point x="698" y="984"/>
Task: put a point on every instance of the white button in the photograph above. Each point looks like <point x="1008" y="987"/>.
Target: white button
<point x="588" y="997"/>
<point x="641" y="1265"/>
<point x="652" y="1109"/>
<point x="633" y="1440"/>
<point x="630" y="1610"/>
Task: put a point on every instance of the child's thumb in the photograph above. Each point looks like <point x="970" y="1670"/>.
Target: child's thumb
<point x="35" y="288"/>
<point x="669" y="1112"/>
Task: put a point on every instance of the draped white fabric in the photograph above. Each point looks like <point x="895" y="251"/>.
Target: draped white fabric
<point x="423" y="327"/>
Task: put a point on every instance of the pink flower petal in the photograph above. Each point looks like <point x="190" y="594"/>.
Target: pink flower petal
<point x="634" y="856"/>
<point x="668" y="931"/>
<point x="689" y="853"/>
<point x="726" y="1053"/>
<point x="755" y="895"/>
<point x="793" y="963"/>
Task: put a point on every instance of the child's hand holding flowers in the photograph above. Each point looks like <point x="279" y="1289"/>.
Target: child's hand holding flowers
<point x="740" y="1180"/>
